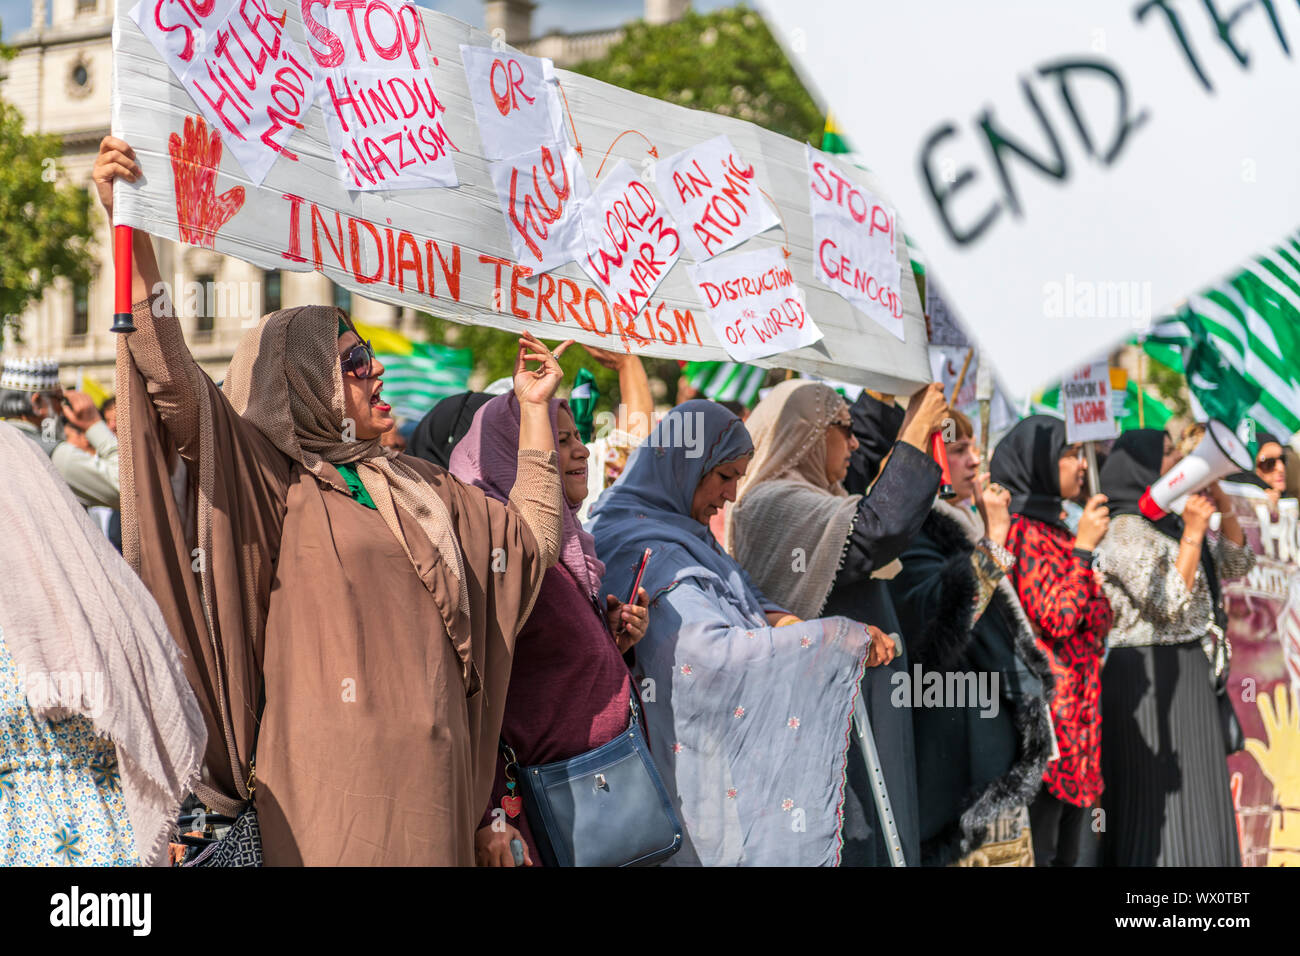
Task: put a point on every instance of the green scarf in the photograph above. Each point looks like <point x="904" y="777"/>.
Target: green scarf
<point x="355" y="485"/>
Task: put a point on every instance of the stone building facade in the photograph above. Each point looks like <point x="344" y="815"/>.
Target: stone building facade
<point x="61" y="78"/>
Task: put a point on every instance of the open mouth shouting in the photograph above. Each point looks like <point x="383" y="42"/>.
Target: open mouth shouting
<point x="378" y="403"/>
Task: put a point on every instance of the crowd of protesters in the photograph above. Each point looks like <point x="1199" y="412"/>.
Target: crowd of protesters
<point x="351" y="654"/>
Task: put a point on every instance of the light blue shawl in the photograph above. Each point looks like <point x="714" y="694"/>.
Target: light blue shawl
<point x="749" y="724"/>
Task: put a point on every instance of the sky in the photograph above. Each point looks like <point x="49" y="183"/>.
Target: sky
<point x="569" y="15"/>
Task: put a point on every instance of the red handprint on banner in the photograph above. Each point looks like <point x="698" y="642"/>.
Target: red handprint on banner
<point x="196" y="157"/>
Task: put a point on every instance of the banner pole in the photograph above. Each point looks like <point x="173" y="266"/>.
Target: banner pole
<point x="122" y="236"/>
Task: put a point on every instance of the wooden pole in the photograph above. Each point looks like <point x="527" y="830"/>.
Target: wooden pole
<point x="961" y="376"/>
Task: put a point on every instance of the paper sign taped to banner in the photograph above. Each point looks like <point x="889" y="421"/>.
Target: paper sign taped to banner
<point x="515" y="101"/>
<point x="713" y="198"/>
<point x="450" y="251"/>
<point x="381" y="108"/>
<point x="756" y="307"/>
<point x="631" y="242"/>
<point x="855" y="242"/>
<point x="251" y="81"/>
<point x="541" y="193"/>
<point x="1129" y="144"/>
<point x="1089" y="412"/>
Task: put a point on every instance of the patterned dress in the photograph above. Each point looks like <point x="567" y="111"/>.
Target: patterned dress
<point x="1064" y="601"/>
<point x="60" y="795"/>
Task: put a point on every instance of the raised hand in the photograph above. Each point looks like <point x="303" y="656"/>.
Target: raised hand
<point x="196" y="157"/>
<point x="537" y="386"/>
<point x="1093" y="524"/>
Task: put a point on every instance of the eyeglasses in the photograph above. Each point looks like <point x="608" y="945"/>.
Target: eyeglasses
<point x="359" y="360"/>
<point x="1268" y="464"/>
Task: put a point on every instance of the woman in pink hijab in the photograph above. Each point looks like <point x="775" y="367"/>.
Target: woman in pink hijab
<point x="570" y="689"/>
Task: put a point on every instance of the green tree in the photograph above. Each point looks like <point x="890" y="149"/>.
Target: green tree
<point x="726" y="62"/>
<point x="47" y="219"/>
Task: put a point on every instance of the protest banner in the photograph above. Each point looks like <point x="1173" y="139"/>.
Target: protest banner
<point x="439" y="228"/>
<point x="1069" y="147"/>
<point x="1089" y="411"/>
<point x="710" y="191"/>
<point x="1264" y="630"/>
<point x="755" y="306"/>
<point x="856" y="242"/>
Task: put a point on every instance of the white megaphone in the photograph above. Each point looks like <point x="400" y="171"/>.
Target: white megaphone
<point x="1219" y="453"/>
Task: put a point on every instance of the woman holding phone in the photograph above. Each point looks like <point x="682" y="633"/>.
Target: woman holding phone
<point x="570" y="689"/>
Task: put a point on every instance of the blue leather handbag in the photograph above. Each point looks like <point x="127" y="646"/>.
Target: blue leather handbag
<point x="606" y="807"/>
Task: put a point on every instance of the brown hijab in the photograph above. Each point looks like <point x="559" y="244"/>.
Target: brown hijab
<point x="285" y="379"/>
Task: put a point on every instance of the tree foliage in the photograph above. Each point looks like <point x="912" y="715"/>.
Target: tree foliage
<point x="47" y="219"/>
<point x="726" y="62"/>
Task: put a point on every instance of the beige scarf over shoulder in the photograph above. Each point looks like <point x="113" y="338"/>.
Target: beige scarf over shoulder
<point x="789" y="526"/>
<point x="285" y="379"/>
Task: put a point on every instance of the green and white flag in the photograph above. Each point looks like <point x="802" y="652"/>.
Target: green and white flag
<point x="1239" y="343"/>
<point x="726" y="381"/>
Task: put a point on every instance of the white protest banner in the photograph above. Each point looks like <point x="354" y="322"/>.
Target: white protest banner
<point x="631" y="241"/>
<point x="755" y="305"/>
<point x="711" y="194"/>
<point x="541" y="193"/>
<point x="1089" y="412"/>
<point x="449" y="251"/>
<point x="515" y="100"/>
<point x="248" y="78"/>
<point x="1132" y="148"/>
<point x="856" y="242"/>
<point x="381" y="109"/>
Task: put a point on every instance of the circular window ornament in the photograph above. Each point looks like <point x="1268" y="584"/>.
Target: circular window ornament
<point x="79" y="83"/>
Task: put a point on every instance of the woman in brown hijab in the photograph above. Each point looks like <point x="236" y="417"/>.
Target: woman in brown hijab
<point x="348" y="613"/>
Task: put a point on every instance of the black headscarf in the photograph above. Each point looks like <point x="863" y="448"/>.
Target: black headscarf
<point x="876" y="426"/>
<point x="446" y="423"/>
<point x="1027" y="464"/>
<point x="1132" y="468"/>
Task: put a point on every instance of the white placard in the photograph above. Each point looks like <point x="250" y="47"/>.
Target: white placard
<point x="515" y="100"/>
<point x="382" y="111"/>
<point x="1086" y="400"/>
<point x="631" y="241"/>
<point x="855" y="242"/>
<point x="541" y="193"/>
<point x="713" y="197"/>
<point x="1128" y="150"/>
<point x="252" y="82"/>
<point x="449" y="251"/>
<point x="756" y="307"/>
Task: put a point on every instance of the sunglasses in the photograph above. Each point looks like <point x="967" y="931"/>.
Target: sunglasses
<point x="1268" y="464"/>
<point x="359" y="360"/>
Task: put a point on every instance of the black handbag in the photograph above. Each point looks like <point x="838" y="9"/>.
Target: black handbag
<point x="606" y="807"/>
<point x="241" y="845"/>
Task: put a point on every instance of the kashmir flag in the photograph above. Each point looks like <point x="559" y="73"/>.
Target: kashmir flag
<point x="417" y="375"/>
<point x="1239" y="343"/>
<point x="726" y="381"/>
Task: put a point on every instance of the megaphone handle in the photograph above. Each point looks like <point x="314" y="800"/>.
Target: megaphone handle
<point x="940" y="454"/>
<point x="1094" y="478"/>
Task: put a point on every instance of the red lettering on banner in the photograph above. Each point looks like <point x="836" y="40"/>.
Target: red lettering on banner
<point x="512" y="75"/>
<point x="529" y="213"/>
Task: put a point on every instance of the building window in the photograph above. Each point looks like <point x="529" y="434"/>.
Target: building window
<point x="80" y="308"/>
<point x="204" y="319"/>
<point x="342" y="299"/>
<point x="87" y="6"/>
<point x="271" y="292"/>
